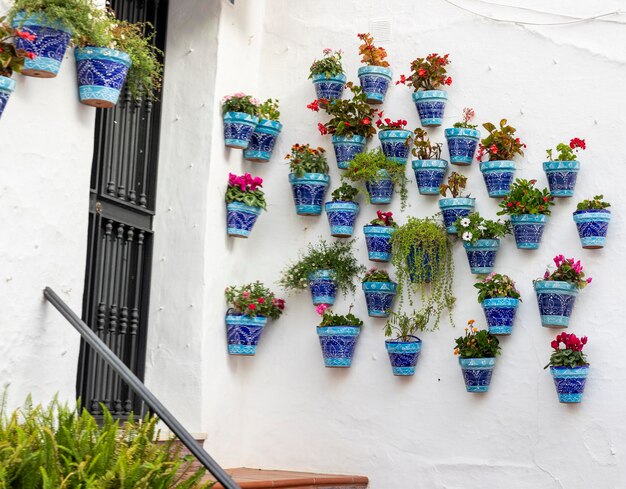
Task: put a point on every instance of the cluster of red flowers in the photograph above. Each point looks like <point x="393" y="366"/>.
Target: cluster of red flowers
<point x="247" y="183"/>
<point x="315" y="105"/>
<point x="280" y="303"/>
<point x="570" y="341"/>
<point x="11" y="32"/>
<point x="577" y="143"/>
<point x="386" y="217"/>
<point x="387" y="123"/>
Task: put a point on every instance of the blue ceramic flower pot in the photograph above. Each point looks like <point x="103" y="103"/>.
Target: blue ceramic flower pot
<point x="7" y="86"/>
<point x="243" y="333"/>
<point x="240" y="219"/>
<point x="500" y="314"/>
<point x="528" y="230"/>
<point x="346" y="148"/>
<point x="403" y="355"/>
<point x="429" y="174"/>
<point x="374" y="82"/>
<point x="430" y="106"/>
<point x="570" y="382"/>
<point x="379" y="297"/>
<point x="556" y="301"/>
<point x="498" y="177"/>
<point x="462" y="144"/>
<point x="101" y="75"/>
<point x="262" y="140"/>
<point x="49" y="46"/>
<point x="380" y="191"/>
<point x="378" y="241"/>
<point x="323" y="287"/>
<point x="238" y="129"/>
<point x="308" y="192"/>
<point x="592" y="226"/>
<point x="394" y="145"/>
<point x="562" y="177"/>
<point x="426" y="274"/>
<point x="329" y="88"/>
<point x="482" y="255"/>
<point x="454" y="208"/>
<point x="338" y="343"/>
<point x="477" y="373"/>
<point x="341" y="217"/>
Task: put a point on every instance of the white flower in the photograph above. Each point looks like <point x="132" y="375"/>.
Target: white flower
<point x="467" y="236"/>
<point x="501" y="221"/>
<point x="465" y="222"/>
<point x="482" y="228"/>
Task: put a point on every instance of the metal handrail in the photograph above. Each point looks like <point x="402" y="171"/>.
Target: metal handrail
<point x="140" y="389"/>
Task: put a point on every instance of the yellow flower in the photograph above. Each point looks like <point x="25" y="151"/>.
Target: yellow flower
<point x="475" y="330"/>
<point x="471" y="321"/>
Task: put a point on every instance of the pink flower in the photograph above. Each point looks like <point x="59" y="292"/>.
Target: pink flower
<point x="239" y="95"/>
<point x="546" y="275"/>
<point x="321" y="309"/>
<point x="327" y="51"/>
<point x="589" y="280"/>
<point x="245" y="294"/>
<point x="255" y="101"/>
<point x="232" y="179"/>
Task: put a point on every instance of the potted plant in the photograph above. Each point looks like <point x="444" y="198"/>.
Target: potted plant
<point x="379" y="175"/>
<point x="481" y="240"/>
<point x="500" y="146"/>
<point x="529" y="209"/>
<point x="562" y="170"/>
<point x="244" y="202"/>
<point x="569" y="367"/>
<point x="239" y="112"/>
<point x="324" y="269"/>
<point x="338" y="336"/>
<point x="350" y="124"/>
<point x="327" y="75"/>
<point x="265" y="132"/>
<point x="380" y="292"/>
<point x="427" y="76"/>
<point x="11" y="59"/>
<point x="395" y="140"/>
<point x="378" y="236"/>
<point x="375" y="76"/>
<point x="403" y="347"/>
<point x="499" y="299"/>
<point x="456" y="206"/>
<point x="463" y="139"/>
<point x="249" y="308"/>
<point x="309" y="178"/>
<point x="428" y="166"/>
<point x="477" y="351"/>
<point x="557" y="291"/>
<point x="342" y="211"/>
<point x="592" y="220"/>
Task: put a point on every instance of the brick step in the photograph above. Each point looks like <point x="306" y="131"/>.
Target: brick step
<point x="266" y="479"/>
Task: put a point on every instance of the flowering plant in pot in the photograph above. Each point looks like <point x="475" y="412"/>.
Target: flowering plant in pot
<point x="325" y="269"/>
<point x="265" y="133"/>
<point x="11" y="59"/>
<point x="592" y="220"/>
<point x="427" y="76"/>
<point x="481" y="240"/>
<point x="249" y="308"/>
<point x="499" y="299"/>
<point x="557" y="291"/>
<point x="463" y="139"/>
<point x="378" y="236"/>
<point x="309" y="178"/>
<point x="569" y="367"/>
<point x="428" y="166"/>
<point x="338" y="335"/>
<point x="403" y="346"/>
<point x="457" y="205"/>
<point x="395" y="140"/>
<point x="477" y="351"/>
<point x="244" y="202"/>
<point x="529" y="209"/>
<point x="342" y="211"/>
<point x="562" y="168"/>
<point x="240" y="113"/>
<point x="380" y="292"/>
<point x="328" y="76"/>
<point x="500" y="147"/>
<point x="375" y="76"/>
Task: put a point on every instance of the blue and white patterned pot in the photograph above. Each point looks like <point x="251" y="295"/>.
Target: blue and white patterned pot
<point x="378" y="241"/>
<point x="498" y="177"/>
<point x="394" y="145"/>
<point x="7" y="85"/>
<point x="338" y="343"/>
<point x="262" y="140"/>
<point x="375" y="82"/>
<point x="570" y="382"/>
<point x="329" y="88"/>
<point x="429" y="175"/>
<point x="403" y="355"/>
<point x="462" y="144"/>
<point x="528" y="230"/>
<point x="482" y="255"/>
<point x="341" y="217"/>
<point x="556" y="301"/>
<point x="430" y="106"/>
<point x="101" y="75"/>
<point x="562" y="177"/>
<point x="500" y="314"/>
<point x="454" y="208"/>
<point x="379" y="297"/>
<point x="240" y="219"/>
<point x="346" y="148"/>
<point x="308" y="192"/>
<point x="243" y="333"/>
<point x="477" y="373"/>
<point x="238" y="129"/>
<point x="49" y="46"/>
<point x="427" y="271"/>
<point x="592" y="226"/>
<point x="323" y="287"/>
<point x="380" y="191"/>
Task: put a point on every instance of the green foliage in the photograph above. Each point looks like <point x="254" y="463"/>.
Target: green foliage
<point x="475" y="227"/>
<point x="304" y="159"/>
<point x="403" y="326"/>
<point x="456" y="184"/>
<point x="269" y="110"/>
<point x="329" y="65"/>
<point x="345" y="193"/>
<point x="427" y="73"/>
<point x="422" y="147"/>
<point x="494" y="286"/>
<point x="597" y="203"/>
<point x="245" y="189"/>
<point x="572" y="355"/>
<point x="501" y="143"/>
<point x="348" y="117"/>
<point x="567" y="152"/>
<point x="254" y="299"/>
<point x="11" y="59"/>
<point x="240" y="102"/>
<point x="477" y="344"/>
<point x="376" y="275"/>
<point x="524" y="198"/>
<point x="329" y="318"/>
<point x="468" y="115"/>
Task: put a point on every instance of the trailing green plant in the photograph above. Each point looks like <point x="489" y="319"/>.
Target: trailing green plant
<point x="254" y="299"/>
<point x="304" y="159"/>
<point x="477" y="343"/>
<point x="240" y="102"/>
<point x="567" y="152"/>
<point x="11" y="58"/>
<point x="455" y="185"/>
<point x="524" y="198"/>
<point x="597" y="203"/>
<point x="468" y="115"/>
<point x="474" y="227"/>
<point x="384" y="219"/>
<point x="329" y="318"/>
<point x="423" y="149"/>
<point x="269" y="110"/>
<point x="329" y="66"/>
<point x="376" y="275"/>
<point x="572" y="355"/>
<point x="567" y="270"/>
<point x="496" y="285"/>
<point x="501" y="143"/>
<point x="403" y="326"/>
<point x="246" y="189"/>
<point x="345" y="193"/>
<point x="371" y="55"/>
<point x="427" y="73"/>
